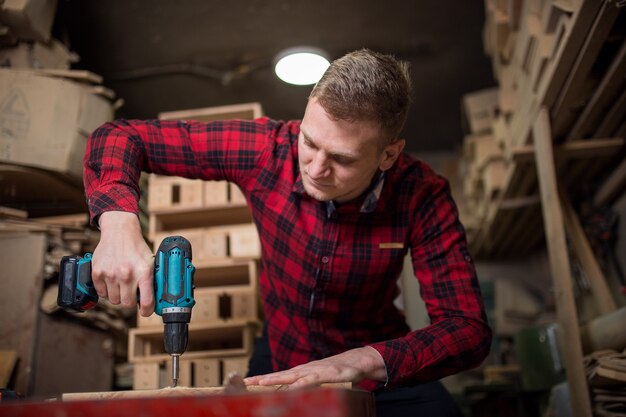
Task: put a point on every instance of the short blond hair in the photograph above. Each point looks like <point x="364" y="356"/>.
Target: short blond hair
<point x="367" y="85"/>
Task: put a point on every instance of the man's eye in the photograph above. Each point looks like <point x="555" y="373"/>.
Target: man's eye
<point x="343" y="161"/>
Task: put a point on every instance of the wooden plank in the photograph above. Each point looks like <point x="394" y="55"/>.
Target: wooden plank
<point x="575" y="88"/>
<point x="72" y="220"/>
<point x="181" y="392"/>
<point x="22" y="260"/>
<point x="600" y="290"/>
<point x="560" y="267"/>
<point x="75" y="75"/>
<point x="613" y="118"/>
<point x="11" y="212"/>
<point x="608" y="91"/>
<point x="582" y="149"/>
<point x="613" y="187"/>
<point x="246" y="111"/>
<point x="8" y="360"/>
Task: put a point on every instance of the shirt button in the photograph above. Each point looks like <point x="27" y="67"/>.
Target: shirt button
<point x="325" y="259"/>
<point x="468" y="258"/>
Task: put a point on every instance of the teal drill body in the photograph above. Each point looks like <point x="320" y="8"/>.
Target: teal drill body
<point x="173" y="291"/>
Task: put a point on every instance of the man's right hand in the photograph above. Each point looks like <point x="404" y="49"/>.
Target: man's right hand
<point x="123" y="262"/>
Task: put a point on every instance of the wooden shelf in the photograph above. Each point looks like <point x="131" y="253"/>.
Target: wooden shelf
<point x="513" y="225"/>
<point x="213" y="340"/>
<point x="186" y="218"/>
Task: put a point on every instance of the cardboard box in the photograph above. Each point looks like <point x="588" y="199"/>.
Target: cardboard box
<point x="45" y="122"/>
<point x="29" y="19"/>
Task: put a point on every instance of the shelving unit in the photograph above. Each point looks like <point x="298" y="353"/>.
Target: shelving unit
<point x="555" y="123"/>
<point x="215" y="218"/>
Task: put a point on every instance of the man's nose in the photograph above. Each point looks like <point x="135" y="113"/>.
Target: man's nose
<point x="318" y="168"/>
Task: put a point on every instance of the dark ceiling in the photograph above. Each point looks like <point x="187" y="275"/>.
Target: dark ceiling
<point x="163" y="55"/>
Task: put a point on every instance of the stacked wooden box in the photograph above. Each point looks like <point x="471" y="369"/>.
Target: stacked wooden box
<point x="567" y="57"/>
<point x="214" y="217"/>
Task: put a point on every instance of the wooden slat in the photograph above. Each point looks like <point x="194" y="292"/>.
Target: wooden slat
<point x="560" y="267"/>
<point x="76" y="75"/>
<point x="599" y="287"/>
<point x="575" y="86"/>
<point x="614" y="118"/>
<point x="608" y="90"/>
<point x="573" y="150"/>
<point x="613" y="187"/>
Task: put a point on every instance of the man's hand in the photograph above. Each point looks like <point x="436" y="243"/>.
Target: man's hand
<point x="350" y="366"/>
<point x="123" y="262"/>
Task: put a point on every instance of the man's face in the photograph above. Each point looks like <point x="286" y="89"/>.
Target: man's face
<point x="338" y="158"/>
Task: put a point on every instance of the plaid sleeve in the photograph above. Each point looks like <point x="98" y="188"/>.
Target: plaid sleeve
<point x="118" y="151"/>
<point x="458" y="337"/>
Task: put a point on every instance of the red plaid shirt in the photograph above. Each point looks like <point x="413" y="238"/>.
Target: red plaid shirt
<point x="329" y="274"/>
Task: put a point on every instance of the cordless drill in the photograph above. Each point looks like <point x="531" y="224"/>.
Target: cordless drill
<point x="173" y="291"/>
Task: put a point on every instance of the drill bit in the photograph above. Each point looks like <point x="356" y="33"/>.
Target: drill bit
<point x="175" y="370"/>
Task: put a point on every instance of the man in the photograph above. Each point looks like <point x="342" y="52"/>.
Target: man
<point x="337" y="206"/>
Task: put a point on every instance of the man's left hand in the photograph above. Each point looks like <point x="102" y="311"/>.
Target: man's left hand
<point x="350" y="366"/>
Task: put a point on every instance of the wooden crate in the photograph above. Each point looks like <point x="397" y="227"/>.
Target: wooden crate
<point x="219" y="243"/>
<point x="244" y="241"/>
<point x="146" y="375"/>
<point x="174" y="192"/>
<point x="480" y="108"/>
<point x="206" y="372"/>
<point x="216" y="193"/>
<point x="205" y="341"/>
<point x="216" y="305"/>
<point x="235" y="364"/>
<point x="245" y="111"/>
<point x="235" y="195"/>
<point x="201" y="372"/>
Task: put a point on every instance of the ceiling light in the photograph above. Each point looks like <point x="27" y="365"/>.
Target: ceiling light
<point x="301" y="65"/>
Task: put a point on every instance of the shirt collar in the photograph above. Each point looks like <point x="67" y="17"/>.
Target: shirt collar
<point x="370" y="201"/>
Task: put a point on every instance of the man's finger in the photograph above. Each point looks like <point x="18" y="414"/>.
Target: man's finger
<point x="146" y="293"/>
<point x="113" y="290"/>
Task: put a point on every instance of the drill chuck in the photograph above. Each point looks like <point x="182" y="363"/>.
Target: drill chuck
<point x="176" y="329"/>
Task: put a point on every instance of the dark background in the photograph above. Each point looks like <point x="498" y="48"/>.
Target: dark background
<point x="163" y="55"/>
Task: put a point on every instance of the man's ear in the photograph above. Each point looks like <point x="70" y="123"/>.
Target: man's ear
<point x="391" y="153"/>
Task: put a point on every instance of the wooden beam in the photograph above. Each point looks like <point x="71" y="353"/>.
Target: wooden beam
<point x="613" y="186"/>
<point x="559" y="265"/>
<point x="599" y="288"/>
<point x="582" y="149"/>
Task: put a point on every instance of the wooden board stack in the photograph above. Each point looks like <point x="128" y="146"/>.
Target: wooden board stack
<point x="214" y="217"/>
<point x="568" y="57"/>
